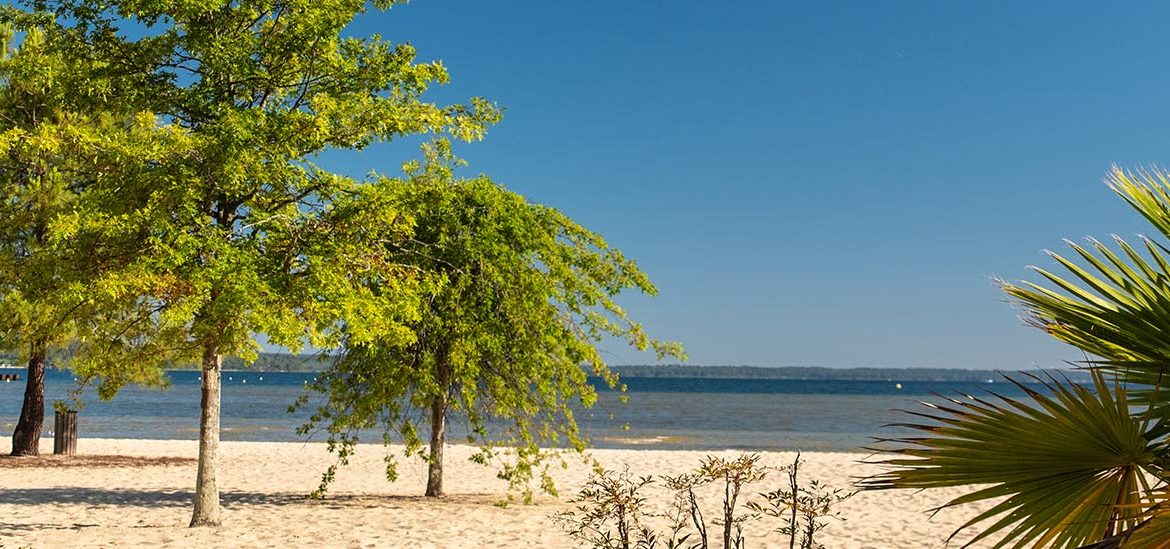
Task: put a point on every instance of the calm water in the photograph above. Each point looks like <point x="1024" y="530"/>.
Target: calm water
<point x="662" y="413"/>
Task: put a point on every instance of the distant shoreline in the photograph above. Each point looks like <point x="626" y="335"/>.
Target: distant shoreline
<point x="819" y="373"/>
<point x="280" y="362"/>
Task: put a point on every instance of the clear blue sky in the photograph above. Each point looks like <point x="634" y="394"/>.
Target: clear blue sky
<point x="814" y="183"/>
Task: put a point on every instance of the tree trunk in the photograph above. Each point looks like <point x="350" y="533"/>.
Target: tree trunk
<point x="26" y="439"/>
<point x="438" y="435"/>
<point x="438" y="430"/>
<point x="207" y="512"/>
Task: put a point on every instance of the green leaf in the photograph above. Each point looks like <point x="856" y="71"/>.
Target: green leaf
<point x="517" y="299"/>
<point x="1119" y="307"/>
<point x="1068" y="463"/>
<point x="1153" y="533"/>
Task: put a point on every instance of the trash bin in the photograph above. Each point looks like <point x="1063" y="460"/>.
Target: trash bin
<point x="65" y="432"/>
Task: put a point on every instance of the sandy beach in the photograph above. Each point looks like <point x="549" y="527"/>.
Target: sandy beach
<point x="135" y="502"/>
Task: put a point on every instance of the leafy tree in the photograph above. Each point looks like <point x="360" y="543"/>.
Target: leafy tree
<point x="516" y="298"/>
<point x="56" y="136"/>
<point x="31" y="186"/>
<point x="1076" y="465"/>
<point x="242" y="234"/>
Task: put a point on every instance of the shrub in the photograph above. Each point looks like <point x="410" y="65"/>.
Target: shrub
<point x="610" y="510"/>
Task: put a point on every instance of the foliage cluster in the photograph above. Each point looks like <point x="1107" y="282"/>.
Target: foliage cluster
<point x="515" y="299"/>
<point x="612" y="512"/>
<point x="162" y="202"/>
<point x="167" y="201"/>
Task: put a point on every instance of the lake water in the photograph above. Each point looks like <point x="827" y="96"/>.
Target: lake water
<point x="680" y="413"/>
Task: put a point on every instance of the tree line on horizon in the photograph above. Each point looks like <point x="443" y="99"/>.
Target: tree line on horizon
<point x="161" y="205"/>
<point x="318" y="362"/>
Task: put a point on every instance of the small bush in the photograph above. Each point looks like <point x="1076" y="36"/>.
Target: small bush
<point x="610" y="510"/>
<point x="802" y="509"/>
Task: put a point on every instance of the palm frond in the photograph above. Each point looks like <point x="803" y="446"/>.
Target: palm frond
<point x="1069" y="464"/>
<point x="1153" y="533"/>
<point x="1114" y="304"/>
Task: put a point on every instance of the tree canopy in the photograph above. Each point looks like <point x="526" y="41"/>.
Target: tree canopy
<point x="59" y="137"/>
<point x="515" y="299"/>
<point x="238" y="233"/>
<point x="177" y="213"/>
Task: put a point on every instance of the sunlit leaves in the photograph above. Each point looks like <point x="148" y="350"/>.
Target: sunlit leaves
<point x="57" y="142"/>
<point x="223" y="226"/>
<point x="515" y="298"/>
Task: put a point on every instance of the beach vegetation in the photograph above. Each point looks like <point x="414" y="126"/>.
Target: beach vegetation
<point x="61" y="138"/>
<point x="35" y="186"/>
<point x="1074" y="464"/>
<point x="515" y="298"/>
<point x="240" y="236"/>
<point x="612" y="511"/>
<point x="734" y="475"/>
<point x="803" y="509"/>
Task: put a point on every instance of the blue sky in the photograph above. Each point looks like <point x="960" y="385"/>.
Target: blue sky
<point x="815" y="183"/>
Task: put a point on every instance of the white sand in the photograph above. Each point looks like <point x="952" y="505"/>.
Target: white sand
<point x="263" y="487"/>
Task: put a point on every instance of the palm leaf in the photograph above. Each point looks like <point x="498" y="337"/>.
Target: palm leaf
<point x="1154" y="533"/>
<point x="1115" y="305"/>
<point x="1068" y="464"/>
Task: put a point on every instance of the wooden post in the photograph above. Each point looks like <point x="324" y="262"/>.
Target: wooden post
<point x="65" y="433"/>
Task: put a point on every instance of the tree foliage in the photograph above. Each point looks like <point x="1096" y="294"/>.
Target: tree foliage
<point x="59" y="138"/>
<point x="515" y="299"/>
<point x="237" y="233"/>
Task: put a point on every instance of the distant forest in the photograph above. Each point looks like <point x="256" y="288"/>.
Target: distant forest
<point x="822" y="373"/>
<point x="283" y="362"/>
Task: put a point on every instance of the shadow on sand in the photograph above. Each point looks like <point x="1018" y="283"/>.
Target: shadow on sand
<point x="185" y="498"/>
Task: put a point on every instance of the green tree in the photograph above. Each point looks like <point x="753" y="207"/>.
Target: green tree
<point x="32" y="187"/>
<point x="242" y="232"/>
<point x="56" y="133"/>
<point x="516" y="298"/>
<point x="1073" y="465"/>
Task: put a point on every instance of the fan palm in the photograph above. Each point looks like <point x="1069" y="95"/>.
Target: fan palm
<point x="1071" y="465"/>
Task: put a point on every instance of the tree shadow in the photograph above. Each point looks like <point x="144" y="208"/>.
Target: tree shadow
<point x="140" y="498"/>
<point x="10" y="527"/>
<point x="87" y="460"/>
<point x="185" y="498"/>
